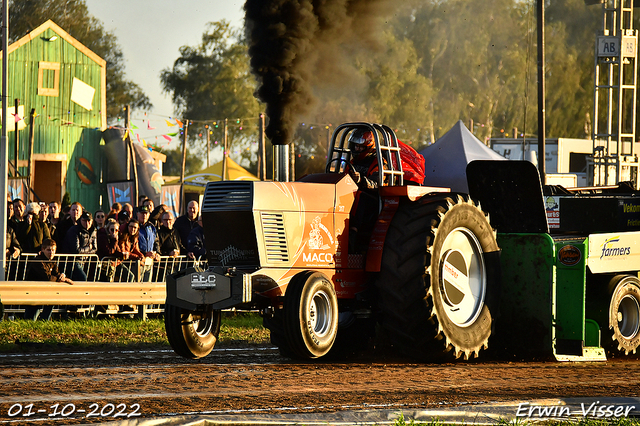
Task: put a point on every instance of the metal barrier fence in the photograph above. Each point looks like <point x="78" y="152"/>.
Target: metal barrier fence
<point x="106" y="281"/>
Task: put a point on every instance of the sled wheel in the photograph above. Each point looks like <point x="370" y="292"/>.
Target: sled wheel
<point x="192" y="334"/>
<point x="624" y="313"/>
<point x="439" y="278"/>
<point x="310" y="315"/>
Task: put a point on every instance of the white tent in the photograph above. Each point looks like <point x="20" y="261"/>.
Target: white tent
<point x="446" y="160"/>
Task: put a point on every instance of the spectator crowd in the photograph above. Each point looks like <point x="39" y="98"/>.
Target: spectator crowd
<point x="124" y="233"/>
<point x="122" y="239"/>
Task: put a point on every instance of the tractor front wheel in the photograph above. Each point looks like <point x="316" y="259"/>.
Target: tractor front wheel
<point x="310" y="315"/>
<point x="624" y="313"/>
<point x="192" y="334"/>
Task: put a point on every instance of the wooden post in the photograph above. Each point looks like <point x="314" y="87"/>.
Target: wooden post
<point x="4" y="140"/>
<point x="206" y="128"/>
<point x="127" y="118"/>
<point x="262" y="160"/>
<point x="135" y="172"/>
<point x="32" y="119"/>
<point x="183" y="164"/>
<point x="131" y="157"/>
<point x="224" y="153"/>
<point x="16" y="138"/>
<point x="292" y="162"/>
<point x="184" y="151"/>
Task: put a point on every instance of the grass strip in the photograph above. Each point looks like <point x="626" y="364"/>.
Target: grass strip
<point x="87" y="332"/>
<point x="401" y="421"/>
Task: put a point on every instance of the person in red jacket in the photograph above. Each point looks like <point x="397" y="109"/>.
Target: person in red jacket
<point x="111" y="255"/>
<point x="128" y="245"/>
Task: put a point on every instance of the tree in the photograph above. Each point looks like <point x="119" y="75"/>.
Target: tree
<point x="212" y="81"/>
<point x="572" y="27"/>
<point x="474" y="56"/>
<point x="398" y="94"/>
<point x="440" y="61"/>
<point x="172" y="166"/>
<point x="74" y="17"/>
<point x="480" y="59"/>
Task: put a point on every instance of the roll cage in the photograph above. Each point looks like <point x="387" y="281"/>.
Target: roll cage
<point x="387" y="152"/>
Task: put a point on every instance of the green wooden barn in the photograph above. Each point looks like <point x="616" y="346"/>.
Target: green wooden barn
<point x="59" y="87"/>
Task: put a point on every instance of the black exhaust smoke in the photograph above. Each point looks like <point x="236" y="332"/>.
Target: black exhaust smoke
<point x="296" y="45"/>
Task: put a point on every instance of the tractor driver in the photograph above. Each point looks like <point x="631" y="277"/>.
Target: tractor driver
<point x="364" y="163"/>
<point x="364" y="171"/>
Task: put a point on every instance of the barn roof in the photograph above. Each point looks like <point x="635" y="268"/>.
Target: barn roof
<point x="63" y="34"/>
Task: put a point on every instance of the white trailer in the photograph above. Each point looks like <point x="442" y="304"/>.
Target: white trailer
<point x="566" y="159"/>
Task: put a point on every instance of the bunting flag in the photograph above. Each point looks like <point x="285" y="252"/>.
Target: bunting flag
<point x="172" y="134"/>
<point x="133" y="126"/>
<point x="179" y="123"/>
<point x="149" y="125"/>
<point x="17" y="117"/>
<point x="166" y="137"/>
<point x="138" y="137"/>
<point x="170" y="124"/>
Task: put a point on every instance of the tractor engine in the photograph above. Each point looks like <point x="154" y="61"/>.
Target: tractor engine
<point x="274" y="230"/>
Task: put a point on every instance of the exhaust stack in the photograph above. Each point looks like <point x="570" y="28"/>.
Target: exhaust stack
<point x="281" y="163"/>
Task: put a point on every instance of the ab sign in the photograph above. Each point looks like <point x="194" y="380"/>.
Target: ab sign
<point x="611" y="46"/>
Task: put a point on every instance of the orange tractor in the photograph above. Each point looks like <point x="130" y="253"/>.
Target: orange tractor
<point x="426" y="268"/>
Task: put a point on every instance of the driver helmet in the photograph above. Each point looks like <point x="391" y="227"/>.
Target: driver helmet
<point x="361" y="140"/>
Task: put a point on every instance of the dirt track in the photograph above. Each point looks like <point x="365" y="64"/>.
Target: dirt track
<point x="259" y="379"/>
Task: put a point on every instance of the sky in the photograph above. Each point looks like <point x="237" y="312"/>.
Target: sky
<point x="150" y="34"/>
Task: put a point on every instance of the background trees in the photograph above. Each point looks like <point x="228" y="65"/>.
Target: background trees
<point x="481" y="60"/>
<point x="437" y="62"/>
<point x="173" y="165"/>
<point x="73" y="16"/>
<point x="211" y="82"/>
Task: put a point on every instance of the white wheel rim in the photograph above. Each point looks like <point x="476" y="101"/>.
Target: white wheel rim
<point x="320" y="314"/>
<point x="628" y="317"/>
<point x="462" y="277"/>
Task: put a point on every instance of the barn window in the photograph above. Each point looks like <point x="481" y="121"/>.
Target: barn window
<point x="48" y="78"/>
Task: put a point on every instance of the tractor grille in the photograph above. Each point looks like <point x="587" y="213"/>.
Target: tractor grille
<point x="275" y="238"/>
<point x="227" y="196"/>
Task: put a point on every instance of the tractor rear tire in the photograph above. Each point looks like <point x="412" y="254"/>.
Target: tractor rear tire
<point x="624" y="313"/>
<point x="192" y="334"/>
<point x="310" y="315"/>
<point x="439" y="278"/>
